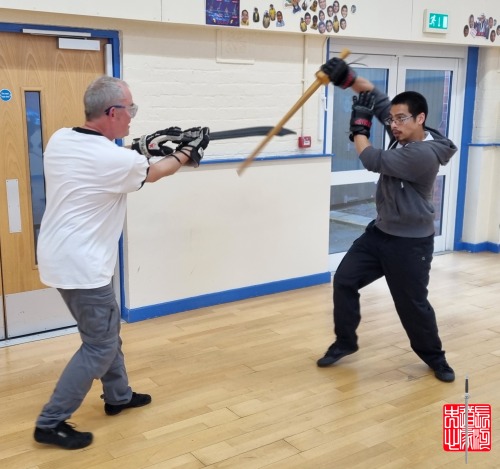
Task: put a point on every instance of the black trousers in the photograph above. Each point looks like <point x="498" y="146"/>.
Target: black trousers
<point x="406" y="264"/>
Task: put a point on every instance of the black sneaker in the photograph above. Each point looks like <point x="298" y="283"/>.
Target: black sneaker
<point x="333" y="355"/>
<point x="138" y="400"/>
<point x="63" y="435"/>
<point x="444" y="372"/>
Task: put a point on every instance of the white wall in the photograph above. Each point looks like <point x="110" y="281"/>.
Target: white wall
<point x="178" y="75"/>
<point x="147" y="10"/>
<point x="482" y="209"/>
<point x="208" y="230"/>
<point x="383" y="19"/>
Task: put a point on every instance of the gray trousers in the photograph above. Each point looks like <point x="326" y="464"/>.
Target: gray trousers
<point x="99" y="357"/>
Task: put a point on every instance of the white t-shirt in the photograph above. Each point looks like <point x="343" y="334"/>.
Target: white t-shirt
<point x="87" y="178"/>
<point x="427" y="138"/>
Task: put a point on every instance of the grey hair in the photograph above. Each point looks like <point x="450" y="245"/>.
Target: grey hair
<point x="102" y="93"/>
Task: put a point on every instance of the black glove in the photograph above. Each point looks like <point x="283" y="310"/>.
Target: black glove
<point x="362" y="114"/>
<point x="155" y="144"/>
<point x="339" y="72"/>
<point x="194" y="149"/>
<point x="189" y="135"/>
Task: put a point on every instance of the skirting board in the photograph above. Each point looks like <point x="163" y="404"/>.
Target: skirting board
<point x="480" y="247"/>
<point x="212" y="299"/>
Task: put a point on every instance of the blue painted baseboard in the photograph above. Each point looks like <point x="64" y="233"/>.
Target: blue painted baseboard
<point x="212" y="299"/>
<point x="481" y="247"/>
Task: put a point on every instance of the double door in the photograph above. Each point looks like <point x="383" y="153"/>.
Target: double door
<point x="352" y="195"/>
<point x="41" y="90"/>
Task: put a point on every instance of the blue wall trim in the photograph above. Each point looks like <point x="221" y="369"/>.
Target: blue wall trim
<point x="267" y="158"/>
<point x="481" y="247"/>
<point x="467" y="127"/>
<point x="484" y="144"/>
<point x="212" y="299"/>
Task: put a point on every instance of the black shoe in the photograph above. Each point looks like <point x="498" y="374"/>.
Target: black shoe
<point x="63" y="435"/>
<point x="138" y="400"/>
<point x="444" y="372"/>
<point x="333" y="355"/>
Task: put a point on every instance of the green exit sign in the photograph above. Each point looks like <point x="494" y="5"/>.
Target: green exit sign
<point x="435" y="22"/>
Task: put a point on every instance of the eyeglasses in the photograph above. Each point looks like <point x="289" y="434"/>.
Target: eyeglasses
<point x="398" y="120"/>
<point x="132" y="109"/>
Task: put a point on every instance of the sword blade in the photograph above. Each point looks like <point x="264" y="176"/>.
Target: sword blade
<point x="247" y="132"/>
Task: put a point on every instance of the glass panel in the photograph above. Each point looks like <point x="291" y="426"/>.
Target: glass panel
<point x="438" y="199"/>
<point x="435" y="85"/>
<point x="352" y="207"/>
<point x="35" y="152"/>
<point x="344" y="154"/>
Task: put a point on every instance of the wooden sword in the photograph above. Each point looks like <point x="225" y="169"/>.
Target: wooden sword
<point x="321" y="79"/>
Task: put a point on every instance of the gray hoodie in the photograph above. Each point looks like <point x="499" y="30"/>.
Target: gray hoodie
<point x="407" y="175"/>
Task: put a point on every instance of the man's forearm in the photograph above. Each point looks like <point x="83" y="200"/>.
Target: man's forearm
<point x="166" y="166"/>
<point x="360" y="143"/>
<point x="362" y="84"/>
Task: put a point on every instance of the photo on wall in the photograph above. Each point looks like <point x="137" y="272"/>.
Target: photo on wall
<point x="222" y="12"/>
<point x="482" y="27"/>
<point x="312" y="16"/>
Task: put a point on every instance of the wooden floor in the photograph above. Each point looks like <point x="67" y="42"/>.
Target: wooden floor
<point x="236" y="386"/>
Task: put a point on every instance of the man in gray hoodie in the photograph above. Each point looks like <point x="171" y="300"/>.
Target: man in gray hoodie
<point x="399" y="243"/>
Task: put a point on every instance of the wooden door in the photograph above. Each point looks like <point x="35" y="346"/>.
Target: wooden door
<point x="41" y="90"/>
<point x="2" y="315"/>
